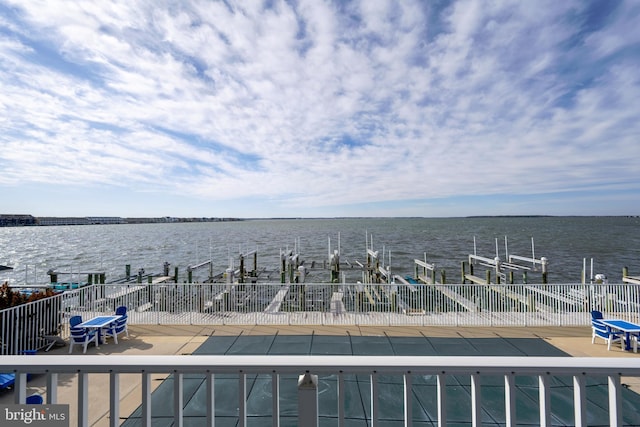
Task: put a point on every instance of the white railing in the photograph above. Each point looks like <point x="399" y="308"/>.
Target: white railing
<point x="26" y="327"/>
<point x="408" y="368"/>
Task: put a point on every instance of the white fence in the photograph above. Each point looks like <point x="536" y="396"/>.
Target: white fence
<point x="27" y="327"/>
<point x="409" y="368"/>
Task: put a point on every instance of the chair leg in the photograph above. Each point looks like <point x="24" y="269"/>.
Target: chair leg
<point x="609" y="343"/>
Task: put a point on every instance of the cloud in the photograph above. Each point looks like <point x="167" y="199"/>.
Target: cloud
<point x="317" y="104"/>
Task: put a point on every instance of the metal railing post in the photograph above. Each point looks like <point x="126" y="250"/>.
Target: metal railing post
<point x="146" y="399"/>
<point x="308" y="400"/>
<point x="211" y="394"/>
<point x="83" y="399"/>
<point x="178" y="406"/>
<point x="615" y="403"/>
<point x="408" y="400"/>
<point x="242" y="399"/>
<point x="114" y="399"/>
<point x="544" y="394"/>
<point x="579" y="399"/>
<point x="442" y="400"/>
<point x="275" y="392"/>
<point x="476" y="401"/>
<point x="510" y="399"/>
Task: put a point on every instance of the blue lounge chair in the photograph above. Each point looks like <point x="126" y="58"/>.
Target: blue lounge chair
<point x="81" y="336"/>
<point x="599" y="329"/>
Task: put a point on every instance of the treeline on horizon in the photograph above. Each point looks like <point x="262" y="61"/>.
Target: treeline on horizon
<point x="9" y="220"/>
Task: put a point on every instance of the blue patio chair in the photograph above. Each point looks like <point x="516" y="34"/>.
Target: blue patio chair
<point x="599" y="329"/>
<point x="7" y="380"/>
<point x="34" y="399"/>
<point x="122" y="310"/>
<point x="118" y="327"/>
<point x="81" y="336"/>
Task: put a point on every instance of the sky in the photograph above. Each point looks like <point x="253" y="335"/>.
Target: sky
<point x="319" y="108"/>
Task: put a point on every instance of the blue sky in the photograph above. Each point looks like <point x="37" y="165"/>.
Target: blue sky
<point x="315" y="109"/>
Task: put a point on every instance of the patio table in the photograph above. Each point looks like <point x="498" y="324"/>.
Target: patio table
<point x="628" y="328"/>
<point x="98" y="323"/>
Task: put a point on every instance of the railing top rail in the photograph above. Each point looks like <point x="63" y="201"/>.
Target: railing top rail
<point x="322" y="364"/>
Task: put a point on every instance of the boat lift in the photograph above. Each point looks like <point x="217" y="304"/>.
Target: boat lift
<point x="501" y="268"/>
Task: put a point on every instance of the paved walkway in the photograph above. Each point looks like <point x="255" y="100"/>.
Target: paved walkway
<point x="168" y="340"/>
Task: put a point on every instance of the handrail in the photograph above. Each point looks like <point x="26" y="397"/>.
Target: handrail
<point x="307" y="367"/>
<point x="31" y="326"/>
<point x="284" y="364"/>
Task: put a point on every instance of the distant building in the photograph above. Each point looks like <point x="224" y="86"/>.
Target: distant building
<point x="16" y="220"/>
<point x="54" y="220"/>
<point x="105" y="220"/>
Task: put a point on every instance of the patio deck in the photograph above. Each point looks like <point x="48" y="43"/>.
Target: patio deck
<point x="184" y="340"/>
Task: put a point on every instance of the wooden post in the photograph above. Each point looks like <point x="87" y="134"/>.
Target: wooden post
<point x="463" y="268"/>
<point x="283" y="269"/>
<point x="443" y="277"/>
<point x="165" y="269"/>
<point x="225" y="298"/>
<point x="255" y="263"/>
<point x="488" y="276"/>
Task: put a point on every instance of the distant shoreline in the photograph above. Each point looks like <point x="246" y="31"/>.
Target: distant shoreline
<point x="29" y="220"/>
<point x="9" y="220"/>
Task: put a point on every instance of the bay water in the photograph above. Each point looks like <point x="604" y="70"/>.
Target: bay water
<point x="611" y="242"/>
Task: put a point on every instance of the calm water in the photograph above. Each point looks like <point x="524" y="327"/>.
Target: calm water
<point x="612" y="242"/>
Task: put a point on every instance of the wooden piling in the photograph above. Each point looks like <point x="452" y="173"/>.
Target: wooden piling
<point x="255" y="264"/>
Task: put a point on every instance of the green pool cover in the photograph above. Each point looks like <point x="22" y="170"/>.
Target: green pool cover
<point x="357" y="387"/>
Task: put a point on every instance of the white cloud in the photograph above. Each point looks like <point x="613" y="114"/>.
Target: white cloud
<point x="318" y="104"/>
